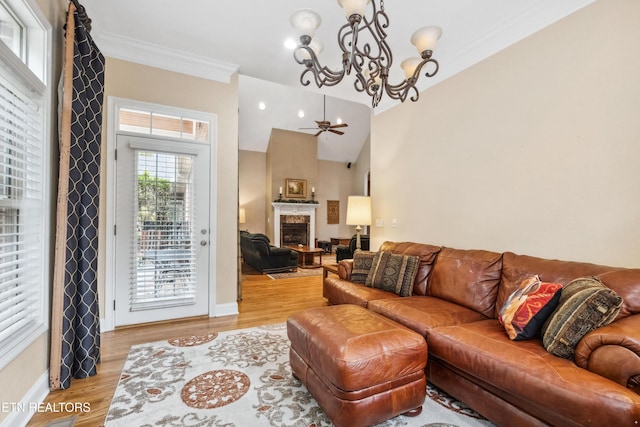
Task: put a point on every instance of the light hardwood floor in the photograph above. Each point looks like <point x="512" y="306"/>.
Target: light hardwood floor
<point x="265" y="301"/>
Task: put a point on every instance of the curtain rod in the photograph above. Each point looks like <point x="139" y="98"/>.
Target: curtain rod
<point x="82" y="14"/>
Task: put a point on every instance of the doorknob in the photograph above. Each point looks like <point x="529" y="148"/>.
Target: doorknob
<point x="203" y="243"/>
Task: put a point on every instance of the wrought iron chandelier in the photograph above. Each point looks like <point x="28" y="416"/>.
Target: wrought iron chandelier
<point x="371" y="59"/>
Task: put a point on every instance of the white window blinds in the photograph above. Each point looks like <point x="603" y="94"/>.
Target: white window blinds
<point x="163" y="272"/>
<point x="21" y="208"/>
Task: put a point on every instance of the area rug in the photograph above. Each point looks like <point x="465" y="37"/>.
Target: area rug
<point x="305" y="272"/>
<point x="237" y="378"/>
<point x="302" y="272"/>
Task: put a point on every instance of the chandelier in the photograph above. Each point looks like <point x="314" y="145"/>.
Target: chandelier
<point x="365" y="52"/>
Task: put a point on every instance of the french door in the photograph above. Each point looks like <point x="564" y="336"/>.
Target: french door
<point x="162" y="230"/>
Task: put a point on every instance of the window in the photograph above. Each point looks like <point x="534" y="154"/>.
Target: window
<point x="164" y="125"/>
<point x="24" y="107"/>
<point x="11" y="31"/>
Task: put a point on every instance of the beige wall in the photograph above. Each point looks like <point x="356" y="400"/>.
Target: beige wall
<point x="361" y="169"/>
<point x="294" y="155"/>
<point x="252" y="188"/>
<point x="534" y="150"/>
<point x="289" y="155"/>
<point x="24" y="372"/>
<point x="138" y="82"/>
<point x="334" y="183"/>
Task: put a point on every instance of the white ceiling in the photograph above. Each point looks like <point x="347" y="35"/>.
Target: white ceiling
<point x="214" y="38"/>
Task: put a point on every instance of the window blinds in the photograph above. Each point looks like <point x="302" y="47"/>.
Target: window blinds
<point x="163" y="271"/>
<point x="21" y="207"/>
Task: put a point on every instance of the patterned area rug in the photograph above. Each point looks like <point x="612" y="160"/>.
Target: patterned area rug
<point x="237" y="378"/>
<point x="305" y="272"/>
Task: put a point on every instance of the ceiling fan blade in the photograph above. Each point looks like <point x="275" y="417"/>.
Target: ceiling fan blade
<point x="342" y="125"/>
<point x="319" y="132"/>
<point x="336" y="131"/>
<point x="307" y="128"/>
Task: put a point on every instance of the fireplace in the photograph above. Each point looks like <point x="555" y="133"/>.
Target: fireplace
<point x="294" y="233"/>
<point x="294" y="224"/>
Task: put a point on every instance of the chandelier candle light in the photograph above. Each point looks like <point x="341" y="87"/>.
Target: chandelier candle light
<point x="371" y="60"/>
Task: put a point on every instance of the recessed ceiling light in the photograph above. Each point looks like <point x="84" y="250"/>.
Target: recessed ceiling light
<point x="262" y="106"/>
<point x="290" y="44"/>
<point x="301" y="114"/>
<point x="339" y="121"/>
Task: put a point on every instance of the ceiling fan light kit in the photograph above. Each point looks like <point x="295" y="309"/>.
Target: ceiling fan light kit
<point x="371" y="59"/>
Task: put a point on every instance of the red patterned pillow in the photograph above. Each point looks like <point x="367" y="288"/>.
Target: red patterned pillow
<point x="528" y="307"/>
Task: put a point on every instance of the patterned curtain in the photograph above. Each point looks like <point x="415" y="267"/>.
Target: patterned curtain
<point x="75" y="321"/>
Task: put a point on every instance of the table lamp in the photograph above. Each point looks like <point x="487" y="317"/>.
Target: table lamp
<point x="242" y="216"/>
<point x="358" y="214"/>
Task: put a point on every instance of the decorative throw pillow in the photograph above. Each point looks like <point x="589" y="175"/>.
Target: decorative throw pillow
<point x="585" y="304"/>
<point x="393" y="272"/>
<point x="527" y="308"/>
<point x="362" y="262"/>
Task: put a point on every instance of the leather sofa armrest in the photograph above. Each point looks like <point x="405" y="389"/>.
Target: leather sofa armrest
<point x="613" y="351"/>
<point x="345" y="268"/>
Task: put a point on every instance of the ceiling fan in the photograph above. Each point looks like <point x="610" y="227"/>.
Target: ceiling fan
<point x="324" y="125"/>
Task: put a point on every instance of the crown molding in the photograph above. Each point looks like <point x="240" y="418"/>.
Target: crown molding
<point x="153" y="55"/>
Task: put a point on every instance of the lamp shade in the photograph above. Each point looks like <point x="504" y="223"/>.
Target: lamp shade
<point x="377" y="79"/>
<point x="426" y="38"/>
<point x="354" y="7"/>
<point x="306" y="22"/>
<point x="409" y="66"/>
<point x="315" y="45"/>
<point x="242" y="216"/>
<point x="359" y="210"/>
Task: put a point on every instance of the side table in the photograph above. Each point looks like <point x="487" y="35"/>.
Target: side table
<point x="306" y="255"/>
<point x="340" y="241"/>
<point x="329" y="268"/>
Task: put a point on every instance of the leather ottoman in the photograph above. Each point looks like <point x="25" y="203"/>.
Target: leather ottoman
<point x="361" y="368"/>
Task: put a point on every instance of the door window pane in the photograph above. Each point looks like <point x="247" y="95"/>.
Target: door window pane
<point x="164" y="246"/>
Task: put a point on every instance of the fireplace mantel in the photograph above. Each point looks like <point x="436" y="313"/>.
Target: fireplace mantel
<point x="281" y="209"/>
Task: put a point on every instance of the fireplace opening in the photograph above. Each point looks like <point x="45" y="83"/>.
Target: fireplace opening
<point x="294" y="230"/>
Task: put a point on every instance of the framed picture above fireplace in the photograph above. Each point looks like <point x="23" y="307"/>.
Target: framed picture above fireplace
<point x="295" y="188"/>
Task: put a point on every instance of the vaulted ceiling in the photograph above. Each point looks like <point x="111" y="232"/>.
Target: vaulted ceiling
<point x="214" y="38"/>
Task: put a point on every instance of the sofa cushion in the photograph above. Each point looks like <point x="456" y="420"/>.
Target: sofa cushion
<point x="467" y="277"/>
<point x="362" y="262"/>
<point x="555" y="390"/>
<point x="422" y="313"/>
<point x="524" y="312"/>
<point x="427" y="255"/>
<point x="626" y="283"/>
<point x="392" y="272"/>
<point x="516" y="268"/>
<point x="585" y="304"/>
<point x="340" y="291"/>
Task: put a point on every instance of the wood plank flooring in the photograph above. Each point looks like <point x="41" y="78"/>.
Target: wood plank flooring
<point x="265" y="301"/>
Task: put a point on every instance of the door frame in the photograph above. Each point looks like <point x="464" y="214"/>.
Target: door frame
<point x="114" y="104"/>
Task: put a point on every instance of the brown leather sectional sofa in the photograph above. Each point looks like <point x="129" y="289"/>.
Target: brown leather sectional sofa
<point x="455" y="298"/>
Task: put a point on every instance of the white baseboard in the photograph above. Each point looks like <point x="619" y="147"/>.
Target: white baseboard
<point x="106" y="325"/>
<point x="221" y="310"/>
<point x="28" y="406"/>
<point x="228" y="309"/>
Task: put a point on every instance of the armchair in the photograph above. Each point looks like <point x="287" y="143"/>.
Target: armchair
<point x="346" y="252"/>
<point x="258" y="252"/>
